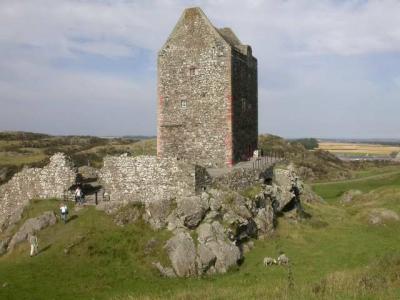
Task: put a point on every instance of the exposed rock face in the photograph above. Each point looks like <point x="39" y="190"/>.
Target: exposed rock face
<point x="285" y="186"/>
<point x="164" y="271"/>
<point x="216" y="252"/>
<point x="265" y="221"/>
<point x="182" y="253"/>
<point x="223" y="220"/>
<point x="31" y="226"/>
<point x="53" y="180"/>
<point x="205" y="259"/>
<point x="157" y="210"/>
<point x="192" y="210"/>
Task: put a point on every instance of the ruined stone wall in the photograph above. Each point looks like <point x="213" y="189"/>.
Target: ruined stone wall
<point x="193" y="87"/>
<point x="242" y="178"/>
<point x="147" y="178"/>
<point x="34" y="183"/>
<point x="245" y="103"/>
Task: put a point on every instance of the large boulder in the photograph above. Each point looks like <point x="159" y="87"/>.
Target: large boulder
<point x="192" y="210"/>
<point x="205" y="259"/>
<point x="156" y="211"/>
<point x="265" y="221"/>
<point x="32" y="226"/>
<point x="213" y="240"/>
<point x="164" y="271"/>
<point x="283" y="187"/>
<point x="182" y="254"/>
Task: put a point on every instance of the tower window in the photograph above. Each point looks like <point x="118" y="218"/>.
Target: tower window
<point x="183" y="104"/>
<point x="244" y="104"/>
<point x="192" y="71"/>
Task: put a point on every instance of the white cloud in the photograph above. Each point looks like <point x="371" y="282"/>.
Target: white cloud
<point x="288" y="38"/>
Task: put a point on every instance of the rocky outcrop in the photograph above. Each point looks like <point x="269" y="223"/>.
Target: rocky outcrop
<point x="52" y="181"/>
<point x="348" y="196"/>
<point x="212" y="229"/>
<point x="164" y="271"/>
<point x="157" y="210"/>
<point x="182" y="253"/>
<point x="382" y="216"/>
<point x="192" y="210"/>
<point x="32" y="226"/>
<point x="216" y="253"/>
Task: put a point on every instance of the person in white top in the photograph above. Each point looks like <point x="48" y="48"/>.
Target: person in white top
<point x="78" y="195"/>
<point x="33" y="240"/>
<point x="64" y="212"/>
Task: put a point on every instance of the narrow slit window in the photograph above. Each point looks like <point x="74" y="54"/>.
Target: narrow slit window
<point x="244" y="104"/>
<point x="183" y="104"/>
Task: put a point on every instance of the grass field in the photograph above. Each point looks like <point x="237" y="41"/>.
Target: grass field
<point x="335" y="254"/>
<point x="358" y="149"/>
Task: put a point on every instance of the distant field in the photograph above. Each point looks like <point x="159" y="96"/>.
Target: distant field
<point x="358" y="149"/>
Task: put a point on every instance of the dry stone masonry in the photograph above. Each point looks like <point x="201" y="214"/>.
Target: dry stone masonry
<point x="35" y="183"/>
<point x="147" y="178"/>
<point x="207" y="89"/>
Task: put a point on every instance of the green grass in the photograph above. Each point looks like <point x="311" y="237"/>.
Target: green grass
<point x="335" y="254"/>
<point x="331" y="191"/>
<point x="22" y="159"/>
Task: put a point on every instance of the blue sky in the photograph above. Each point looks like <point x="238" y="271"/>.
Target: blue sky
<point x="326" y="68"/>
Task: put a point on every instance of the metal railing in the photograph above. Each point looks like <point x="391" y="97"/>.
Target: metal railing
<point x="268" y="160"/>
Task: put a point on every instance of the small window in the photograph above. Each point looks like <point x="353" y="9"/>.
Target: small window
<point x="192" y="71"/>
<point x="183" y="104"/>
<point x="244" y="104"/>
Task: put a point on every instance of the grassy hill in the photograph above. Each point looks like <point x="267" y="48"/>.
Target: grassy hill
<point x="19" y="149"/>
<point x="335" y="254"/>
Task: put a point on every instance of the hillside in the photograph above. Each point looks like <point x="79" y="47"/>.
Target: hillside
<point x="317" y="165"/>
<point x="106" y="261"/>
<point x="19" y="149"/>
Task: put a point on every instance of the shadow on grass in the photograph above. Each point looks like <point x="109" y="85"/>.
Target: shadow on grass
<point x="44" y="249"/>
<point x="73" y="217"/>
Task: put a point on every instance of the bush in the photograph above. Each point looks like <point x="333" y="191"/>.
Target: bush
<point x="309" y="143"/>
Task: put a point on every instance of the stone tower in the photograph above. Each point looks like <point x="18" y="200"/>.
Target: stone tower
<point x="207" y="93"/>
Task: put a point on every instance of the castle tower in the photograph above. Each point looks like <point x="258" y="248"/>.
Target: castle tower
<point x="207" y="93"/>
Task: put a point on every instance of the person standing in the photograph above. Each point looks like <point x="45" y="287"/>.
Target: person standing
<point x="33" y="240"/>
<point x="64" y="212"/>
<point x="78" y="195"/>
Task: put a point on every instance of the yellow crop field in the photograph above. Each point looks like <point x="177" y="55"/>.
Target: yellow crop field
<point x="353" y="148"/>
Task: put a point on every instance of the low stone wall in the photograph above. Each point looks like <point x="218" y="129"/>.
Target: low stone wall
<point x="242" y="178"/>
<point x="34" y="183"/>
<point x="144" y="178"/>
